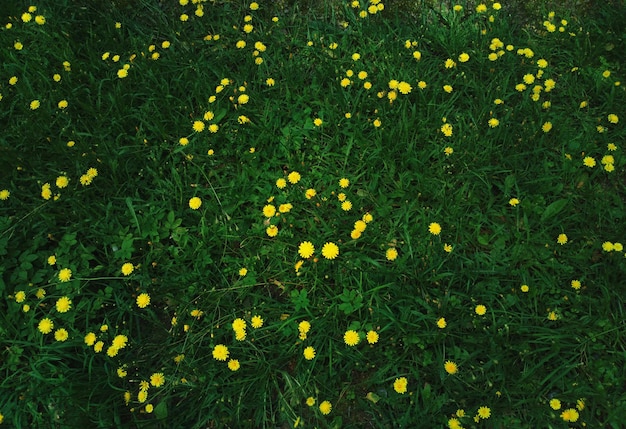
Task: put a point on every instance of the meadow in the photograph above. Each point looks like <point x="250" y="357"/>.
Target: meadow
<point x="334" y="214"/>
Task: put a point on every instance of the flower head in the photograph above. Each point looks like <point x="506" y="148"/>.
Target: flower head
<point x="326" y="407"/>
<point x="434" y="228"/>
<point x="234" y="364"/>
<point x="372" y="337"/>
<point x="309" y="353"/>
<point x="450" y="367"/>
<point x="65" y="275"/>
<point x="484" y="412"/>
<point x="330" y="250"/>
<point x="45" y="326"/>
<point x="561" y="239"/>
<point x="400" y="385"/>
<point x="61" y="334"/>
<point x="351" y="338"/>
<point x="480" y="310"/>
<point x="306" y="249"/>
<point x="195" y="203"/>
<point x="64" y="304"/>
<point x="127" y="268"/>
<point x="220" y="352"/>
<point x="143" y="300"/>
<point x="256" y="322"/>
<point x="157" y="379"/>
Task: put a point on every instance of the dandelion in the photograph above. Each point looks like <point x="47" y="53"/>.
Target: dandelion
<point x="294" y="177"/>
<point x="589" y="161"/>
<point x="45" y="326"/>
<point x="372" y="337"/>
<point x="570" y="415"/>
<point x="446" y="129"/>
<point x="234" y="365"/>
<point x="256" y="322"/>
<point x="4" y="194"/>
<point x="309" y="353"/>
<point x="450" y="367"/>
<point x="351" y="338"/>
<point x="607" y="246"/>
<point x="561" y="239"/>
<point x="346" y="206"/>
<point x="613" y="118"/>
<point x="344" y="183"/>
<point x="555" y="404"/>
<point x="484" y="412"/>
<point x="65" y="275"/>
<point x="243" y="271"/>
<point x="493" y="122"/>
<point x="524" y="288"/>
<point x="198" y="126"/>
<point x="513" y="202"/>
<point x="61" y="335"/>
<point x="120" y="341"/>
<point x="391" y="254"/>
<point x="195" y="203"/>
<point x="326" y="407"/>
<point x="448" y="151"/>
<point x="576" y="284"/>
<point x="480" y="310"/>
<point x="546" y="127"/>
<point x="63" y="304"/>
<point x="34" y="105"/>
<point x="441" y="323"/>
<point x="272" y="231"/>
<point x="143" y="300"/>
<point x="404" y="87"/>
<point x="220" y="352"/>
<point x="269" y="210"/>
<point x="447" y="248"/>
<point x="463" y="58"/>
<point x="306" y="249"/>
<point x="434" y="228"/>
<point x="90" y="339"/>
<point x="448" y="88"/>
<point x="157" y="379"/>
<point x="400" y="385"/>
<point x="330" y="250"/>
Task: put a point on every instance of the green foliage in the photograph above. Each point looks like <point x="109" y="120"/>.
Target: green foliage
<point x="163" y="165"/>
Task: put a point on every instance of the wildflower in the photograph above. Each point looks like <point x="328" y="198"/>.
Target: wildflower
<point x="304" y="327"/>
<point x="450" y="367"/>
<point x="454" y="423"/>
<point x="391" y="254"/>
<point x="434" y="228"/>
<point x="441" y="323"/>
<point x="480" y="310"/>
<point x="269" y="210"/>
<point x="484" y="412"/>
<point x="34" y="105"/>
<point x="195" y="203"/>
<point x="45" y="326"/>
<point x="447" y="248"/>
<point x="400" y="385"/>
<point x="546" y="127"/>
<point x="272" y="231"/>
<point x="372" y="337"/>
<point x="234" y="364"/>
<point x="448" y="88"/>
<point x="449" y="63"/>
<point x="326" y="407"/>
<point x="552" y="315"/>
<point x="513" y="202"/>
<point x="122" y="73"/>
<point x="524" y="288"/>
<point x="157" y="379"/>
<point x="294" y="177"/>
<point x="356" y="56"/>
<point x="588" y="161"/>
<point x="570" y="415"/>
<point x="555" y="404"/>
<point x="580" y="404"/>
<point x="61" y="334"/>
<point x="65" y="275"/>
<point x="463" y="58"/>
<point x="98" y="346"/>
<point x="90" y="339"/>
<point x="346" y="206"/>
<point x="330" y="250"/>
<point x="344" y="183"/>
<point x="607" y="246"/>
<point x="576" y="284"/>
<point x="4" y="194"/>
<point x="63" y="304"/>
<point x="448" y="151"/>
<point x="310" y="401"/>
<point x="493" y="122"/>
<point x="310" y="193"/>
<point x="243" y="271"/>
<point x="446" y="129"/>
<point x="404" y="87"/>
<point x="613" y="118"/>
<point x="220" y="352"/>
<point x="351" y="338"/>
<point x="198" y="126"/>
<point x="256" y="322"/>
<point x="309" y="353"/>
<point x="421" y="84"/>
<point x="306" y="249"/>
<point x="561" y="239"/>
<point x="120" y="341"/>
<point x="143" y="300"/>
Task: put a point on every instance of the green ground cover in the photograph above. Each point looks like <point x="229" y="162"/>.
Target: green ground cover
<point x="331" y="214"/>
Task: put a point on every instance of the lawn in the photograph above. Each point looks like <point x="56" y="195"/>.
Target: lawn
<point x="333" y="214"/>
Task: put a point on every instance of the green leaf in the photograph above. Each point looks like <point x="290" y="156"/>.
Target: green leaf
<point x="554" y="209"/>
<point x="160" y="411"/>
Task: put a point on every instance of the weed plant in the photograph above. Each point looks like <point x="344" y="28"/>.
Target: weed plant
<point x="226" y="214"/>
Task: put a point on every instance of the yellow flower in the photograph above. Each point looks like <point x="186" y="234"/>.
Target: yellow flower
<point x="309" y="353"/>
<point x="63" y="304"/>
<point x="143" y="300"/>
<point x="195" y="203"/>
<point x="34" y="105"/>
<point x="493" y="122"/>
<point x="546" y="127"/>
<point x="561" y="239"/>
<point x="450" y="367"/>
<point x="62" y="182"/>
<point x="346" y="206"/>
<point x="400" y="385"/>
<point x="220" y="352"/>
<point x="446" y="129"/>
<point x="310" y="401"/>
<point x="269" y="210"/>
<point x="306" y="249"/>
<point x="588" y="161"/>
<point x="404" y="87"/>
<point x="4" y="194"/>
<point x="570" y="415"/>
<point x="294" y="177"/>
<point x="555" y="404"/>
<point x="344" y="183"/>
<point x="61" y="334"/>
<point x="127" y="268"/>
<point x="463" y="58"/>
<point x="372" y="337"/>
<point x="524" y="288"/>
<point x="243" y="272"/>
<point x="122" y="73"/>
<point x="481" y="8"/>
<point x="480" y="310"/>
<point x="157" y="379"/>
<point x="513" y="202"/>
<point x="326" y="407"/>
<point x="330" y="250"/>
<point x="434" y="228"/>
<point x="484" y="412"/>
<point x="90" y="339"/>
<point x="65" y="275"/>
<point x="351" y="338"/>
<point x="391" y="254"/>
<point x="613" y="118"/>
<point x="256" y="322"/>
<point x="45" y="326"/>
<point x="441" y="323"/>
<point x="233" y="364"/>
<point x="272" y="231"/>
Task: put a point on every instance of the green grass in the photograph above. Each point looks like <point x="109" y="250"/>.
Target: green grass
<point x="533" y="345"/>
